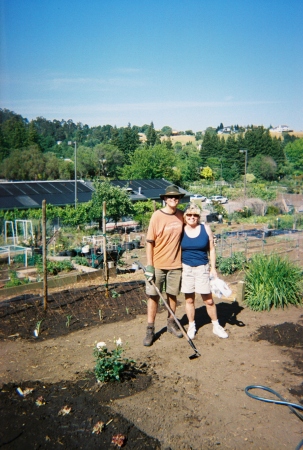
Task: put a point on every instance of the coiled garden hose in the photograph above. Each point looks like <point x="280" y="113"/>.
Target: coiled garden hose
<point x="282" y="401"/>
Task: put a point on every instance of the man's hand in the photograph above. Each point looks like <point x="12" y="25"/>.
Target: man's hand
<point x="149" y="273"/>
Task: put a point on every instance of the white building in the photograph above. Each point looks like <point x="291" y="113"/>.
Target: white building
<point x="280" y="129"/>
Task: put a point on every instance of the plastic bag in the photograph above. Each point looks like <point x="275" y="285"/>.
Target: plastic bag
<point x="219" y="288"/>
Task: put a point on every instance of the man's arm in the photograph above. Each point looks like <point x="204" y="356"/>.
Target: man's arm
<point x="150" y="252"/>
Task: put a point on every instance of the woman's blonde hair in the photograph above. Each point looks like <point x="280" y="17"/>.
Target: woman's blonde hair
<point x="192" y="209"/>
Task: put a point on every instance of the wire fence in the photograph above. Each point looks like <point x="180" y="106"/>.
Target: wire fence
<point x="284" y="242"/>
<point x="84" y="297"/>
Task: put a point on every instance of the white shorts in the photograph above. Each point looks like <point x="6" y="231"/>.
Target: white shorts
<point x="195" y="279"/>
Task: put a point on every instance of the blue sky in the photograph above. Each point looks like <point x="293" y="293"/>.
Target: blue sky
<point x="188" y="64"/>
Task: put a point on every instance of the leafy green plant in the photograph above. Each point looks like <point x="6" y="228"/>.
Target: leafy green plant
<point x="109" y="364"/>
<point x="81" y="260"/>
<point x="19" y="259"/>
<point x="219" y="209"/>
<point x="68" y="319"/>
<point x="231" y="264"/>
<point x="38" y="327"/>
<point x="54" y="267"/>
<point x="272" y="281"/>
<point x="115" y="294"/>
<point x="272" y="210"/>
<point x="121" y="262"/>
<point x="15" y="281"/>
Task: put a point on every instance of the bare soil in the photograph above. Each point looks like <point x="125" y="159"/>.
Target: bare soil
<point x="169" y="400"/>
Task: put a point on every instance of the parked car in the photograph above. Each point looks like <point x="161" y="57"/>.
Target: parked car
<point x="194" y="197"/>
<point x="219" y="199"/>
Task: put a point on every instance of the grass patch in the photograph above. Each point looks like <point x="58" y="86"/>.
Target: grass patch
<point x="272" y="281"/>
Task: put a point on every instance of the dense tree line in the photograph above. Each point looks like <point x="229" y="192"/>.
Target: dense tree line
<point x="44" y="149"/>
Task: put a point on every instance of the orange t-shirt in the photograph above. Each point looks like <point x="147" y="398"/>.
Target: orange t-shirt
<point x="165" y="230"/>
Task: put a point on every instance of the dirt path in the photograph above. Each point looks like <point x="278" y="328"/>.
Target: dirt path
<point x="191" y="403"/>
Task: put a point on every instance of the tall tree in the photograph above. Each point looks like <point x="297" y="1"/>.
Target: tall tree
<point x="151" y="136"/>
<point x="157" y="162"/>
<point x="263" y="167"/>
<point x="294" y="154"/>
<point x="15" y="133"/>
<point x="129" y="141"/>
<point x="33" y="137"/>
<point x="111" y="157"/>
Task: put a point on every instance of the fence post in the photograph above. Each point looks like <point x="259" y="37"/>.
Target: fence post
<point x="104" y="249"/>
<point x="44" y="250"/>
<point x="240" y="291"/>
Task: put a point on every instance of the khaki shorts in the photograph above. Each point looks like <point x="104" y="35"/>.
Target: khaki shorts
<point x="195" y="279"/>
<point x="171" y="279"/>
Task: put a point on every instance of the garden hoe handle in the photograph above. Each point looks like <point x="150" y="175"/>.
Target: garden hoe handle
<point x="172" y="313"/>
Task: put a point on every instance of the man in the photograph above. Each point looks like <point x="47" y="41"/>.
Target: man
<point x="164" y="265"/>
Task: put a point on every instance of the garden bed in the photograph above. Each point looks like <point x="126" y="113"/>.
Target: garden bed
<point x="170" y="401"/>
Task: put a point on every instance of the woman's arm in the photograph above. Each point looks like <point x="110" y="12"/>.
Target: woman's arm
<point x="212" y="251"/>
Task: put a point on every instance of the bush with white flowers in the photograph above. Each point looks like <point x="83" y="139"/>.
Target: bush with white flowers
<point x="109" y="363"/>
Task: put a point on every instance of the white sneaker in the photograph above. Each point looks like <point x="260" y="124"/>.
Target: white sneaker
<point x="191" y="332"/>
<point x="219" y="331"/>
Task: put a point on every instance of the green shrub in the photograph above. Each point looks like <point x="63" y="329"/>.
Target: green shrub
<point x="54" y="267"/>
<point x="81" y="260"/>
<point x="19" y="259"/>
<point x="110" y="365"/>
<point x="231" y="264"/>
<point x="286" y="222"/>
<point x="15" y="281"/>
<point x="272" y="281"/>
<point x="272" y="210"/>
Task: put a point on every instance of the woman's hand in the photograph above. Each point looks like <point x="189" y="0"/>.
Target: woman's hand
<point x="213" y="272"/>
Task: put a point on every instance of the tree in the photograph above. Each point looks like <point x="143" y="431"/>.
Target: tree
<point x="15" y="133"/>
<point x="166" y="131"/>
<point x="207" y="173"/>
<point x="189" y="163"/>
<point x="113" y="156"/>
<point x="263" y="167"/>
<point x="86" y="165"/>
<point x="117" y="200"/>
<point x="33" y="137"/>
<point x="51" y="169"/>
<point x="4" y="150"/>
<point x="156" y="162"/>
<point x="294" y="154"/>
<point x="129" y="141"/>
<point x="168" y="143"/>
<point x="199" y="135"/>
<point x="25" y="164"/>
<point x="151" y="136"/>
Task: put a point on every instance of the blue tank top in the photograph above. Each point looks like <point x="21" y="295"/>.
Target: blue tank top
<point x="195" y="250"/>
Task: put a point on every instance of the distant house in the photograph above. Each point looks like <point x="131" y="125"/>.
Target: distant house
<point x="225" y="130"/>
<point x="280" y="129"/>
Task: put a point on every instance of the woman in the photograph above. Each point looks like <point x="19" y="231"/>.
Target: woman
<point x="197" y="242"/>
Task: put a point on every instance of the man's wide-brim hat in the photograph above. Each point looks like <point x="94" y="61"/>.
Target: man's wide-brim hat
<point x="172" y="190"/>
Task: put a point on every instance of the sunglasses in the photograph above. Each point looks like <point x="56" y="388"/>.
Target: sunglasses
<point x="173" y="196"/>
<point x="192" y="215"/>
